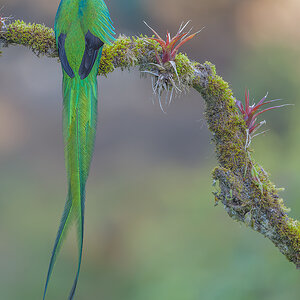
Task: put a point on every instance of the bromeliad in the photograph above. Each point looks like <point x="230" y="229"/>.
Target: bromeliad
<point x="169" y="47"/>
<point x="251" y="112"/>
<point x="164" y="72"/>
<point x="82" y="27"/>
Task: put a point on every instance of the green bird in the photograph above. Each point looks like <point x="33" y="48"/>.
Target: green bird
<point x="82" y="27"/>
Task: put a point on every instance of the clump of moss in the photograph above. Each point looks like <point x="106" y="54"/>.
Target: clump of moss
<point x="144" y="50"/>
<point x="185" y="70"/>
<point x="229" y="131"/>
<point x="294" y="232"/>
<point x="117" y="55"/>
<point x="126" y="53"/>
<point x="106" y="64"/>
<point x="39" y="38"/>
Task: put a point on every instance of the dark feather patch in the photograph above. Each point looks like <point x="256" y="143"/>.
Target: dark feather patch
<point x="92" y="46"/>
<point x="62" y="55"/>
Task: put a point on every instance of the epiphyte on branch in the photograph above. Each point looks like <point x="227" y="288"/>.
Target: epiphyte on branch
<point x="251" y="112"/>
<point x="165" y="72"/>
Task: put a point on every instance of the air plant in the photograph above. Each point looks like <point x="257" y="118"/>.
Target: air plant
<point x="169" y="47"/>
<point x="251" y="112"/>
<point x="162" y="77"/>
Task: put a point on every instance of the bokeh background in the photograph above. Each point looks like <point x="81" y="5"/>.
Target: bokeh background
<point x="152" y="231"/>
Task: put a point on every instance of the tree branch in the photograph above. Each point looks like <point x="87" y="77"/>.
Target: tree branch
<point x="244" y="189"/>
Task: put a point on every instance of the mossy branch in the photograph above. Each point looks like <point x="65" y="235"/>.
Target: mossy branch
<point x="245" y="189"/>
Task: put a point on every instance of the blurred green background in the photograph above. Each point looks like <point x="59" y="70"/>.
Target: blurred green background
<point x="152" y="231"/>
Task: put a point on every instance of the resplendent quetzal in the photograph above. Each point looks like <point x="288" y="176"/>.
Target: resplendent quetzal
<point x="82" y="27"/>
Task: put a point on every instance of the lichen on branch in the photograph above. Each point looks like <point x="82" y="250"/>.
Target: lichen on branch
<point x="245" y="189"/>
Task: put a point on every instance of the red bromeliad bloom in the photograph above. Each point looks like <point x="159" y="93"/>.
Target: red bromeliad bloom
<point x="169" y="46"/>
<point x="251" y="112"/>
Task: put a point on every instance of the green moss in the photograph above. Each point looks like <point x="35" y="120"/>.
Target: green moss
<point x="283" y="207"/>
<point x="184" y="65"/>
<point x="117" y="54"/>
<point x="106" y="64"/>
<point x="226" y="124"/>
<point x="126" y="53"/>
<point x="145" y="49"/>
<point x="293" y="233"/>
<point x="212" y="68"/>
<point x="39" y="38"/>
